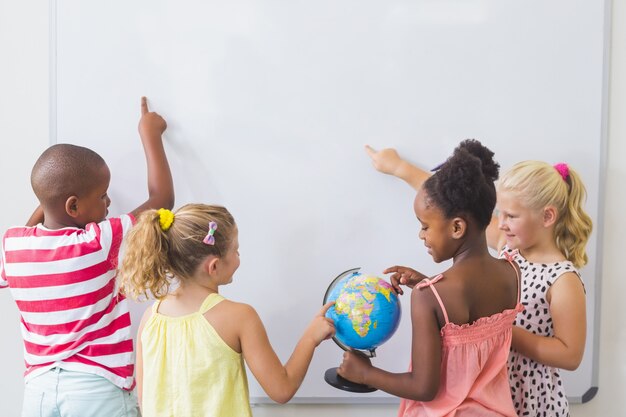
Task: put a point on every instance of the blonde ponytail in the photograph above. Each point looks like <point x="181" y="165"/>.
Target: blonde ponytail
<point x="144" y="270"/>
<point x="574" y="226"/>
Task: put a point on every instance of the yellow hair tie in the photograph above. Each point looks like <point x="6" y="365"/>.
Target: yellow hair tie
<point x="166" y="218"/>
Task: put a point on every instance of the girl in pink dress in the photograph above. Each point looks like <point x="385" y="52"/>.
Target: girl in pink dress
<point x="541" y="224"/>
<point x="462" y="318"/>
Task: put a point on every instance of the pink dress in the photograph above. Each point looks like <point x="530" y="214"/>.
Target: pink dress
<point x="474" y="379"/>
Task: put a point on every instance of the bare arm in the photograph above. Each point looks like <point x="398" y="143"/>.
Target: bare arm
<point x="422" y="383"/>
<point x="278" y="381"/>
<point x="388" y="161"/>
<point x="568" y="311"/>
<point x="139" y="359"/>
<point x="160" y="184"/>
<point x="36" y="217"/>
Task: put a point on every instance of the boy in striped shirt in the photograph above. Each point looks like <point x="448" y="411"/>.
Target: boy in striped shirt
<point x="61" y="269"/>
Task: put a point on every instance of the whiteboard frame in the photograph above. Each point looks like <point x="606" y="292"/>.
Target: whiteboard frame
<point x="598" y="226"/>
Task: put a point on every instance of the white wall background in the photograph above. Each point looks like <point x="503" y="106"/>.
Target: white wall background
<point x="24" y="134"/>
<point x="24" y="119"/>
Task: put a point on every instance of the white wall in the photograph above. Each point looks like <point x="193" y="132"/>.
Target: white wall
<point x="23" y="136"/>
<point x="24" y="122"/>
<point x="610" y="400"/>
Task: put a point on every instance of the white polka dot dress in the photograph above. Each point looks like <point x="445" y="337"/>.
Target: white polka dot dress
<point x="537" y="389"/>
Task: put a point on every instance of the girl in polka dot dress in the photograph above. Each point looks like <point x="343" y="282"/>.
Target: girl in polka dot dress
<point x="541" y="223"/>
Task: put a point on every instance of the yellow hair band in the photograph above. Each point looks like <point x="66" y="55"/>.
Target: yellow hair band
<point x="166" y="218"/>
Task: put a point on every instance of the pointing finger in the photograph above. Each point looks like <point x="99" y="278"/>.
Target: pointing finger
<point x="370" y="151"/>
<point x="326" y="307"/>
<point x="144" y="105"/>
<point x="391" y="269"/>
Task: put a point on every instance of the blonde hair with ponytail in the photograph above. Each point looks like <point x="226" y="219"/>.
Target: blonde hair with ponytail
<point x="538" y="184"/>
<point x="155" y="256"/>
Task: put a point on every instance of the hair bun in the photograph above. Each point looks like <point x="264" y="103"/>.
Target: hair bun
<point x="489" y="167"/>
<point x="465" y="183"/>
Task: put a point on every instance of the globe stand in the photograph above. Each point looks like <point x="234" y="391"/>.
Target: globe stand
<point x="338" y="381"/>
<point x="333" y="378"/>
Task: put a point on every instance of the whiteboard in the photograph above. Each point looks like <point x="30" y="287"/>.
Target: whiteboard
<point x="269" y="105"/>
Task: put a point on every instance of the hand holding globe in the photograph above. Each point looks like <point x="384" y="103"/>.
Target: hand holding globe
<point x="366" y="314"/>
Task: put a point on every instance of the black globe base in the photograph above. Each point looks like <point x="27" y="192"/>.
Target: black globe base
<point x="337" y="381"/>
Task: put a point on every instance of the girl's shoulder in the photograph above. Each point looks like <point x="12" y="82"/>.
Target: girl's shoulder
<point x="548" y="261"/>
<point x="548" y="270"/>
<point x="236" y="305"/>
<point x="232" y="321"/>
<point x="236" y="311"/>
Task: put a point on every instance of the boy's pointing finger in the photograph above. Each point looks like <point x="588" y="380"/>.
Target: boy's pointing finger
<point x="144" y="105"/>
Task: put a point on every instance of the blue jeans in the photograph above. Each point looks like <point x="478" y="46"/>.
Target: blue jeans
<point x="61" y="393"/>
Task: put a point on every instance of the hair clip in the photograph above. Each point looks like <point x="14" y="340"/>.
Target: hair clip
<point x="210" y="239"/>
<point x="437" y="168"/>
<point x="563" y="170"/>
<point x="166" y="218"/>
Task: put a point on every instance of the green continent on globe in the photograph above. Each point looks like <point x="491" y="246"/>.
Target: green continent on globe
<point x="357" y="302"/>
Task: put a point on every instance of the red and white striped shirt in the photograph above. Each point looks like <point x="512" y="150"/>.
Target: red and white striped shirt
<point x="63" y="282"/>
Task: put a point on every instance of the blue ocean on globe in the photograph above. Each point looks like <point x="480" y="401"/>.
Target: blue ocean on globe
<point x="366" y="311"/>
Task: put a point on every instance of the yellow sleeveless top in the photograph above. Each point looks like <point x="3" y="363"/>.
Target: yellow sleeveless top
<point x="188" y="370"/>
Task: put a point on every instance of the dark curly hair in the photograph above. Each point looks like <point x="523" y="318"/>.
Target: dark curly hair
<point x="464" y="184"/>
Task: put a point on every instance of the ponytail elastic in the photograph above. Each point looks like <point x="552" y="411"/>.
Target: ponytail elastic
<point x="563" y="170"/>
<point x="166" y="218"/>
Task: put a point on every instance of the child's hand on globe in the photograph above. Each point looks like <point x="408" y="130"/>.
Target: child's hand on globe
<point x="321" y="328"/>
<point x="354" y="367"/>
<point x="403" y="275"/>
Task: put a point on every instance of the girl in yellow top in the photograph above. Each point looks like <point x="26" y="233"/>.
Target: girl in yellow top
<point x="192" y="342"/>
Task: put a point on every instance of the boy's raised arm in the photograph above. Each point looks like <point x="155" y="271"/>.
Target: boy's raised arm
<point x="160" y="184"/>
<point x="36" y="217"/>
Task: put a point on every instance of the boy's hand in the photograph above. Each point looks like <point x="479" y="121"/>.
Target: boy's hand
<point x="151" y="124"/>
<point x="386" y="161"/>
<point x="160" y="184"/>
<point x="321" y="328"/>
<point x="403" y="275"/>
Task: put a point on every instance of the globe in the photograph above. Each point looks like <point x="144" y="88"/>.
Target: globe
<point x="366" y="314"/>
<point x="366" y="311"/>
